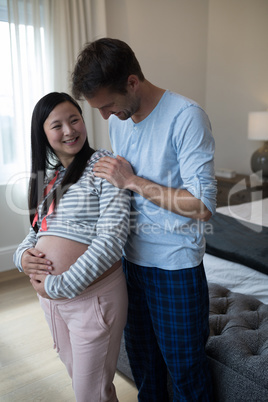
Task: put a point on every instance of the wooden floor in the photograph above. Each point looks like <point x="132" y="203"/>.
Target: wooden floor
<point x="30" y="369"/>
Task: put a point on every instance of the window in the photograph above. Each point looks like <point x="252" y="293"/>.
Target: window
<point x="24" y="78"/>
<point x="7" y="140"/>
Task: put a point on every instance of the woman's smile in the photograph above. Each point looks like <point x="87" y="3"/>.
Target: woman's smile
<point x="66" y="131"/>
<point x="72" y="141"/>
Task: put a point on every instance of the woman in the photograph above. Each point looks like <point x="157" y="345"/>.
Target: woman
<point x="79" y="226"/>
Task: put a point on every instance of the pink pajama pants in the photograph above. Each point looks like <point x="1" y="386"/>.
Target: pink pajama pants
<point x="87" y="331"/>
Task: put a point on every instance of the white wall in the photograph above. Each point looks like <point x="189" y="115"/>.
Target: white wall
<point x="214" y="51"/>
<point x="237" y="83"/>
<point x="14" y="221"/>
<point x="169" y="38"/>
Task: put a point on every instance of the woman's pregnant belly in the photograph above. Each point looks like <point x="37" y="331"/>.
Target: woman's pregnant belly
<point x="61" y="252"/>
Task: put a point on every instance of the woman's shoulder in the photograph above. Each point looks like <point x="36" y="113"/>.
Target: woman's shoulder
<point x="88" y="177"/>
<point x="97" y="155"/>
<point x="100" y="153"/>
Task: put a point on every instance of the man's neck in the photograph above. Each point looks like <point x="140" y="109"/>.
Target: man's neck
<point x="150" y="95"/>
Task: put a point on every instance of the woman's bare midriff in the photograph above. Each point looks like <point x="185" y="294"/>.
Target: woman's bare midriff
<point x="63" y="253"/>
<point x="60" y="251"/>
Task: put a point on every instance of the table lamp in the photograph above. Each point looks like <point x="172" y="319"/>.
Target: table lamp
<point x="258" y="130"/>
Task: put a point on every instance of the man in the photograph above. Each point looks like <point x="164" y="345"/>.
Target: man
<point x="165" y="156"/>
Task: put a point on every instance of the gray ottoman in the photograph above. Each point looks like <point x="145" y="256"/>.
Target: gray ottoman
<point x="237" y="347"/>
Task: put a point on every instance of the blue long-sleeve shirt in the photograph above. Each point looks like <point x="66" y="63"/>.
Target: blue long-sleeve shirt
<point x="173" y="146"/>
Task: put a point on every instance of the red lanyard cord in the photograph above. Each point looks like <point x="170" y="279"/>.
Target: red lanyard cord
<point x="52" y="205"/>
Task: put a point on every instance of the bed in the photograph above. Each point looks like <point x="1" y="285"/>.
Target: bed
<point x="245" y="227"/>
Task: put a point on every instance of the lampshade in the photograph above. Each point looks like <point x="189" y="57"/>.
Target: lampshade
<point x="258" y="126"/>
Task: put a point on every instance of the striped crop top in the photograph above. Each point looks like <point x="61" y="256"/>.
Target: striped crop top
<point x="93" y="212"/>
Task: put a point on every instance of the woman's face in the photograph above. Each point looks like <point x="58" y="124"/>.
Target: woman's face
<point x="66" y="131"/>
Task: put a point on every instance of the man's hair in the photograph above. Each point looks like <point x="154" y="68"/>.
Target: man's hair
<point x="104" y="63"/>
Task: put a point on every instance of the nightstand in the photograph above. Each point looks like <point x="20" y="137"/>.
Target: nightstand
<point x="240" y="189"/>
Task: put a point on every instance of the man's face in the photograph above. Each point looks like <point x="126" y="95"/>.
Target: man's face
<point x="123" y="106"/>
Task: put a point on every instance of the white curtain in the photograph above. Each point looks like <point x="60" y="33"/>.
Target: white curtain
<point x="30" y="77"/>
<point x="74" y="23"/>
<point x="45" y="39"/>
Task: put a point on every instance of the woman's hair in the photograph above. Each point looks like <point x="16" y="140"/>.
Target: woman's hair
<point x="44" y="158"/>
<point x="105" y="63"/>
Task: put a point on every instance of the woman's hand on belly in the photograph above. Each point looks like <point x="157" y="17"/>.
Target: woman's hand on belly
<point x="33" y="261"/>
<point x="38" y="283"/>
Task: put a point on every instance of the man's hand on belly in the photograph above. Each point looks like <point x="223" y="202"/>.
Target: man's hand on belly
<point x="34" y="262"/>
<point x="38" y="283"/>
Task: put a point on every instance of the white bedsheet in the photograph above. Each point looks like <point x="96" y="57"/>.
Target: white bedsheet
<point x="253" y="212"/>
<point x="237" y="277"/>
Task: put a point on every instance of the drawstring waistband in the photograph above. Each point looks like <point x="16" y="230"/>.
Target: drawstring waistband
<point x="52" y="308"/>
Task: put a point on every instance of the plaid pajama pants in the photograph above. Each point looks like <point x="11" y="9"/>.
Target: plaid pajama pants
<point x="167" y="329"/>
